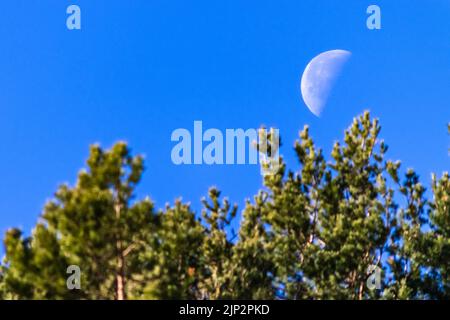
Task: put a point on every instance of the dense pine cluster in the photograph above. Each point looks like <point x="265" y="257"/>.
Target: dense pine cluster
<point x="310" y="233"/>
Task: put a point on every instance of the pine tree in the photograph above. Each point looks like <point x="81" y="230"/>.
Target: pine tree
<point x="251" y="267"/>
<point x="37" y="267"/>
<point x="319" y="232"/>
<point x="93" y="225"/>
<point x="216" y="248"/>
<point x="420" y="255"/>
<point x="440" y="225"/>
<point x="439" y="237"/>
<point x="178" y="255"/>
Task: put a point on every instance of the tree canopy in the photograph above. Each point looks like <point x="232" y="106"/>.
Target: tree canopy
<point x="318" y="231"/>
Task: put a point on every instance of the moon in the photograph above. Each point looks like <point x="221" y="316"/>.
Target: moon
<point x="319" y="78"/>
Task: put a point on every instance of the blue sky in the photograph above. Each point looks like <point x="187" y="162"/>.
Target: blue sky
<point x="140" y="69"/>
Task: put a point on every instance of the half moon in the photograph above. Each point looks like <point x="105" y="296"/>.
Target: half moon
<point x="319" y="78"/>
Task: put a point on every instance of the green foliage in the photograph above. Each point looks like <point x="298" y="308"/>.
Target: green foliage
<point x="216" y="249"/>
<point x="93" y="225"/>
<point x="177" y="252"/>
<point x="330" y="221"/>
<point x="251" y="262"/>
<point x="317" y="232"/>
